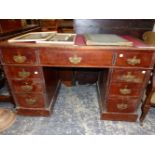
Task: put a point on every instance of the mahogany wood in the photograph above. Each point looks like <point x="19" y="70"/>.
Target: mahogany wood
<point x="4" y="98"/>
<point x="35" y="86"/>
<point x="66" y="75"/>
<point x="128" y="75"/>
<point x="51" y="82"/>
<point x="10" y="25"/>
<point x="114" y="104"/>
<point x="119" y="117"/>
<point x="144" y="57"/>
<point x="86" y="76"/>
<point x="23" y="98"/>
<point x="28" y="54"/>
<point x="15" y="72"/>
<point x="150" y="90"/>
<point x="134" y="89"/>
<point x="50" y="56"/>
<point x="33" y="112"/>
<point x="49" y="61"/>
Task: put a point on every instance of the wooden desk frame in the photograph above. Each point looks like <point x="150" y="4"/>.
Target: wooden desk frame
<point x="32" y="71"/>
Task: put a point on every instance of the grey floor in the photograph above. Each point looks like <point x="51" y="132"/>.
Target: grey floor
<point x="76" y="112"/>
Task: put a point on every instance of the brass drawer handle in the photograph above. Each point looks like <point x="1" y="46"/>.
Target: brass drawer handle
<point x="19" y="58"/>
<point x="133" y="61"/>
<point x="128" y="78"/>
<point x="75" y="59"/>
<point x="125" y="91"/>
<point x="122" y="106"/>
<point x="24" y="74"/>
<point x="31" y="101"/>
<point x="27" y="88"/>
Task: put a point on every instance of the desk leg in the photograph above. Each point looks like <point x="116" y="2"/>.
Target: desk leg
<point x="145" y="108"/>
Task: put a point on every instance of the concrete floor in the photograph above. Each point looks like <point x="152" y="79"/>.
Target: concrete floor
<point x="76" y="112"/>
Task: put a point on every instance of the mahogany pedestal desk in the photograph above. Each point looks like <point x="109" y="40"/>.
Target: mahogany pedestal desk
<point x="33" y="70"/>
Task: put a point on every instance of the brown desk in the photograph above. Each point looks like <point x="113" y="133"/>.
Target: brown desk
<point x="33" y="72"/>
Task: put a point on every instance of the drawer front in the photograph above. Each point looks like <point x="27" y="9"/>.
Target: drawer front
<point x="34" y="86"/>
<point x="125" y="89"/>
<point x="134" y="76"/>
<point x="18" y="56"/>
<point x="23" y="72"/>
<point x="75" y="58"/>
<point x="30" y="100"/>
<point x="124" y="105"/>
<point x="134" y="59"/>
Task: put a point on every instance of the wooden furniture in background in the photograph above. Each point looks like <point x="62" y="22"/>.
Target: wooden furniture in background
<point x="149" y="38"/>
<point x="9" y="25"/>
<point x="149" y="99"/>
<point x="66" y="26"/>
<point x="13" y="27"/>
<point x="60" y="25"/>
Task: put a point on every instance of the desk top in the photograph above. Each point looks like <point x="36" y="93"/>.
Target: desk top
<point x="80" y="43"/>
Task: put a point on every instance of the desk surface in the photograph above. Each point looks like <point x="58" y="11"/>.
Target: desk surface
<point x="80" y="43"/>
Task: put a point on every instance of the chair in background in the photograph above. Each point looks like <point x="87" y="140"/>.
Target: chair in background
<point x="149" y="38"/>
<point x="149" y="99"/>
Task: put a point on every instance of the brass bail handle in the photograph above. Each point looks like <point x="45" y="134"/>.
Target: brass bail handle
<point x="133" y="61"/>
<point x="129" y="77"/>
<point x="125" y="91"/>
<point x="19" y="58"/>
<point x="122" y="106"/>
<point x="31" y="101"/>
<point x="75" y="59"/>
<point x="27" y="87"/>
<point x="23" y="74"/>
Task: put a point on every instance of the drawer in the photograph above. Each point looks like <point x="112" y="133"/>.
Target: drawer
<point x="124" y="105"/>
<point x="126" y="75"/>
<point x="29" y="100"/>
<point x="134" y="59"/>
<point x="125" y="89"/>
<point x="34" y="86"/>
<point x="23" y="72"/>
<point x="68" y="57"/>
<point x="18" y="55"/>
